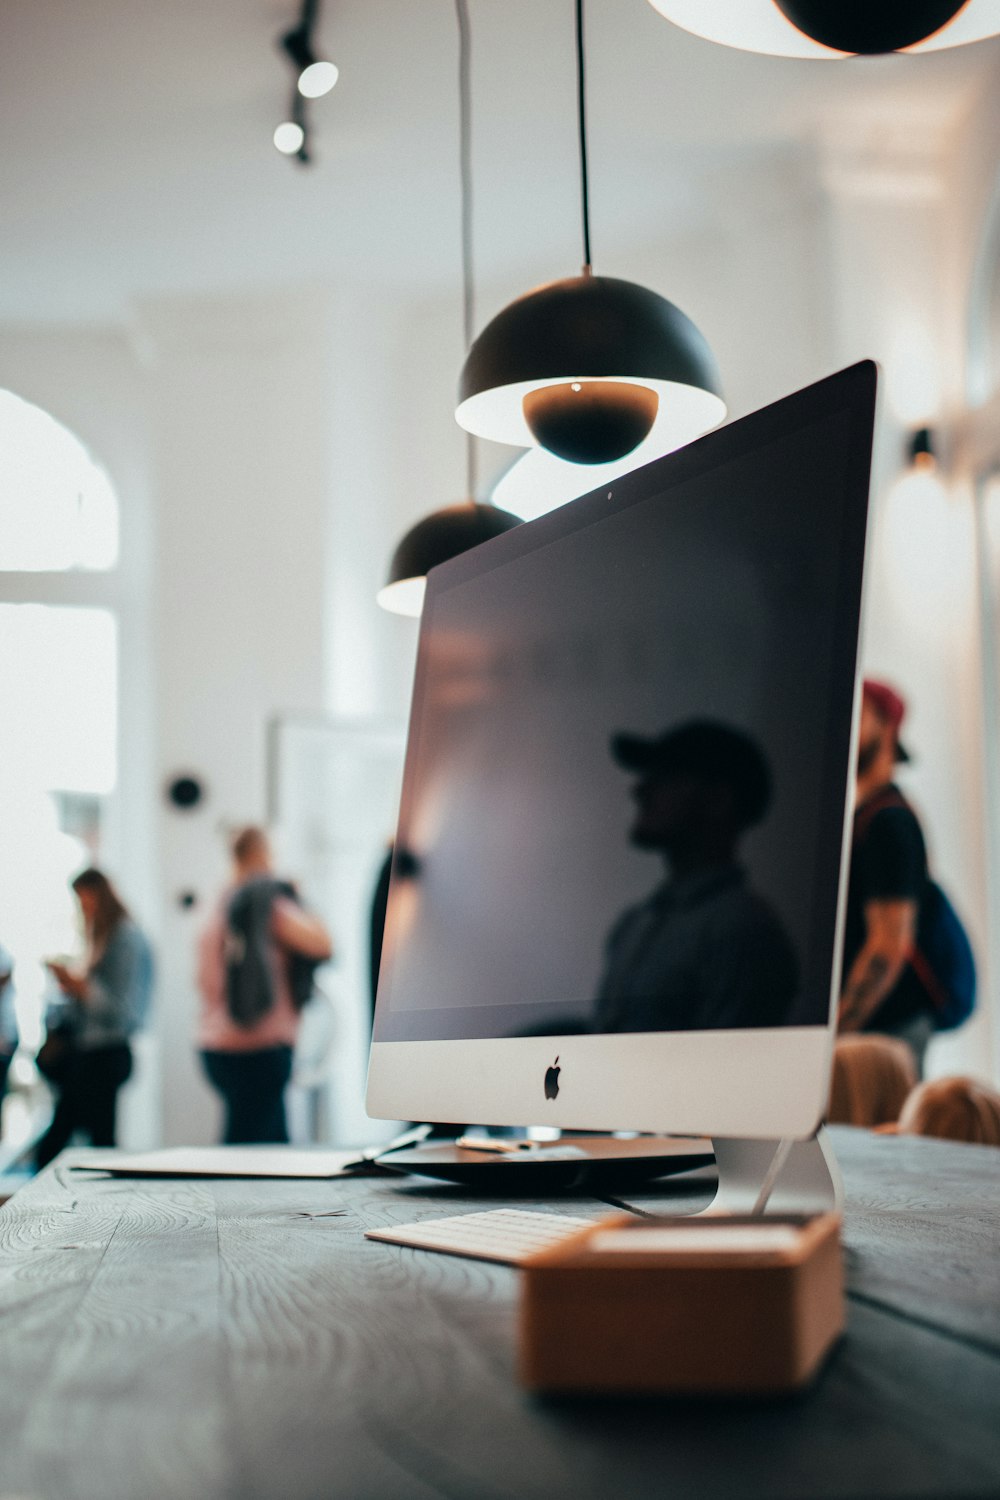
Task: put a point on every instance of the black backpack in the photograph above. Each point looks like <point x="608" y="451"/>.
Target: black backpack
<point x="248" y="953"/>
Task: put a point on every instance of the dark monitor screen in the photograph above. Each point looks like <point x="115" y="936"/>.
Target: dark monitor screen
<point x="627" y="771"/>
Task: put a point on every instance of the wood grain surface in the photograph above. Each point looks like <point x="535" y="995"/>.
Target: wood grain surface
<point x="242" y="1339"/>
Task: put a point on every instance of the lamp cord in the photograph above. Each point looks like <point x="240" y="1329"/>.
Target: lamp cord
<point x="465" y="178"/>
<point x="582" y="122"/>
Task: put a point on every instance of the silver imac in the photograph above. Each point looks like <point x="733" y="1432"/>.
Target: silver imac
<point x="619" y="867"/>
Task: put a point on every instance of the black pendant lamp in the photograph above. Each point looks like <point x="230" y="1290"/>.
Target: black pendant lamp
<point x="443" y="534"/>
<point x="456" y="528"/>
<point x="835" y="29"/>
<point x="586" y="366"/>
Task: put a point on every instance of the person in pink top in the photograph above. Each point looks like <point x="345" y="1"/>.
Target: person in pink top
<point x="246" y="1043"/>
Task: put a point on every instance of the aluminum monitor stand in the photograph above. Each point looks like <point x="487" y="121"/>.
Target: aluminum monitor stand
<point x="777" y="1177"/>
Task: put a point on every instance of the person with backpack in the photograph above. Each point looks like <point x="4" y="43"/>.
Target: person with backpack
<point x="256" y="960"/>
<point x="908" y="968"/>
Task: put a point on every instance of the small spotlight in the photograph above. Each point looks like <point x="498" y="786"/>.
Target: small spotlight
<point x="289" y="138"/>
<point x="318" y="79"/>
<point x="923" y="449"/>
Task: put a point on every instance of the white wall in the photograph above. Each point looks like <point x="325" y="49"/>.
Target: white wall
<point x="239" y="392"/>
<point x="972" y="258"/>
<point x="898" y="295"/>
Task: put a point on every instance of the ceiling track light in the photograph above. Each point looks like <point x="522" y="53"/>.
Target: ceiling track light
<point x="314" y="76"/>
<point x="454" y="529"/>
<point x="832" y="30"/>
<point x="590" y="366"/>
<point x="291" y="137"/>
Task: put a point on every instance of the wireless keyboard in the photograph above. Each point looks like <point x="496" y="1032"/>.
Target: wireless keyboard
<point x="508" y="1236"/>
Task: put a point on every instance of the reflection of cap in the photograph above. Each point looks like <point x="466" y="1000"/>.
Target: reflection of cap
<point x="889" y="706"/>
<point x="706" y="749"/>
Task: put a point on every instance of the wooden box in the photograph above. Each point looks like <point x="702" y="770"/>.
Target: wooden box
<point x="730" y="1306"/>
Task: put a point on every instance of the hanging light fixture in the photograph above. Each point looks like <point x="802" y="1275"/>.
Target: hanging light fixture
<point x="314" y="76"/>
<point x="587" y="366"/>
<point x="291" y="137"/>
<point x="456" y="528"/>
<point x="835" y="29"/>
<point x="443" y="534"/>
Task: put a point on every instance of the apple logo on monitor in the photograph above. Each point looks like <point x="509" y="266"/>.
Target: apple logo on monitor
<point x="552" y="1080"/>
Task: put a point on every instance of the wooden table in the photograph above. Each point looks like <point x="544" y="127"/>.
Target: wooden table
<point x="232" y="1339"/>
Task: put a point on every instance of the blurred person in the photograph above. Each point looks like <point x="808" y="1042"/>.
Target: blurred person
<point x="256" y="957"/>
<point x="704" y="950"/>
<point x="8" y="1018"/>
<point x="953" y="1109"/>
<point x="376" y="925"/>
<point x="872" y="1077"/>
<point x="906" y="957"/>
<point x="405" y="866"/>
<point x="104" y="1003"/>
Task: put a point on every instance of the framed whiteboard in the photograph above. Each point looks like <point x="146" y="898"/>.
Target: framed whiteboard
<point x="333" y="797"/>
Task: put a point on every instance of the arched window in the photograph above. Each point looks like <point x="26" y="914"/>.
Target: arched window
<point x="57" y="507"/>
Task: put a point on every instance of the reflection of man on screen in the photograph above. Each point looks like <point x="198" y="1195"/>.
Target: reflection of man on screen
<point x="704" y="950"/>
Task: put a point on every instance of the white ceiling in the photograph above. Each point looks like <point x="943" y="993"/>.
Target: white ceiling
<point x="137" y="156"/>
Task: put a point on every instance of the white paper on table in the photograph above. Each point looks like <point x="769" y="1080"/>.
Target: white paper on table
<point x="226" y="1161"/>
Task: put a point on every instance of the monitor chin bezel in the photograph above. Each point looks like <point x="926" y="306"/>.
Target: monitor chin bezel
<point x="754" y="1083"/>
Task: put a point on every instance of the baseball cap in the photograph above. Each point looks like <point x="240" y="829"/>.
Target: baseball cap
<point x="705" y="748"/>
<point x="890" y="707"/>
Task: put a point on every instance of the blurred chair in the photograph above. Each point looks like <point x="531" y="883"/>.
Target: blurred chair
<point x="872" y="1077"/>
<point x="953" y="1109"/>
<point x="309" y="1098"/>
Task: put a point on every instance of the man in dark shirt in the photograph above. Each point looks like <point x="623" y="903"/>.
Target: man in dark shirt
<point x="886" y="889"/>
<point x="704" y="951"/>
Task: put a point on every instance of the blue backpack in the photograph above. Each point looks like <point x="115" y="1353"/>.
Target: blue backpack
<point x="942" y="960"/>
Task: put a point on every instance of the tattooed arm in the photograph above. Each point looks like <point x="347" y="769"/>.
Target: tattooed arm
<point x="890" y="936"/>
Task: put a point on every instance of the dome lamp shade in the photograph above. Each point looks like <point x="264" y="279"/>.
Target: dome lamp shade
<point x="835" y="29"/>
<point x="869" y="26"/>
<point x="440" y="536"/>
<point x="593" y="421"/>
<point x="586" y="367"/>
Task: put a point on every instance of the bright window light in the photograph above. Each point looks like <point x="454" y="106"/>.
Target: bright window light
<point x="39" y="912"/>
<point x="57" y="508"/>
<point x="318" y="79"/>
<point x="289" y="137"/>
<point x="58" y="674"/>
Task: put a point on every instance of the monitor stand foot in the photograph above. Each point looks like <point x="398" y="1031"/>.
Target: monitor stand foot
<point x="777" y="1177"/>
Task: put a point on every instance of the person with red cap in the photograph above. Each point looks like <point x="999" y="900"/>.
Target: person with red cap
<point x="887" y="886"/>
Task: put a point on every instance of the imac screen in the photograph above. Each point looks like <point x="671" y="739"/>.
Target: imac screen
<point x="627" y="773"/>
